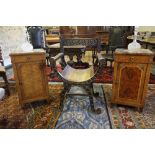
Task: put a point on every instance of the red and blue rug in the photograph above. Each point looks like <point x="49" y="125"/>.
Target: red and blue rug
<point x="124" y="117"/>
<point x="77" y="112"/>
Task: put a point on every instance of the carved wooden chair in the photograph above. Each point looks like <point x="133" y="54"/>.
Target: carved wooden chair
<point x="77" y="77"/>
<point x="37" y="39"/>
<point x="3" y="74"/>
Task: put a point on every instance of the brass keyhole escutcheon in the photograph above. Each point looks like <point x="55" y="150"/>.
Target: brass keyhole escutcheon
<point x="132" y="59"/>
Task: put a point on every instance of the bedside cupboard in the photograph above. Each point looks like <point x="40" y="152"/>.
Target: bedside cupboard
<point x="131" y="76"/>
<point x="30" y="75"/>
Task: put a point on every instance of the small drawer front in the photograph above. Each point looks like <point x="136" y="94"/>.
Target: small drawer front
<point x="27" y="58"/>
<point x="133" y="59"/>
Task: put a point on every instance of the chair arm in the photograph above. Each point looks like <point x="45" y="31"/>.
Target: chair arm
<point x="53" y="63"/>
<point x="54" y="59"/>
<point x="58" y="56"/>
<point x="100" y="60"/>
<point x="101" y="63"/>
<point x="46" y="48"/>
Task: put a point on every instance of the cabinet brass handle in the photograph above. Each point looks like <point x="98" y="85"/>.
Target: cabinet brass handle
<point x="132" y="59"/>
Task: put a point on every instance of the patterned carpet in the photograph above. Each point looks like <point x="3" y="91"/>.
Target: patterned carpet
<point x="32" y="115"/>
<point x="77" y="113"/>
<point x="41" y="115"/>
<point x="130" y="118"/>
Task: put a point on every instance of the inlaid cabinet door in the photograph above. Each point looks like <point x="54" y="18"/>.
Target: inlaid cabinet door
<point x="31" y="80"/>
<point x="129" y="82"/>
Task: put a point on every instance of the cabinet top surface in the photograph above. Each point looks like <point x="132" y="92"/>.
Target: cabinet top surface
<point x="134" y="52"/>
<point x="35" y="51"/>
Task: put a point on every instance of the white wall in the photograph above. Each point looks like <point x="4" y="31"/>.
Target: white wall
<point x="11" y="38"/>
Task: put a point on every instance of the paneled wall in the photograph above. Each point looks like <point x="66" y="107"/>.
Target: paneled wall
<point x="11" y="38"/>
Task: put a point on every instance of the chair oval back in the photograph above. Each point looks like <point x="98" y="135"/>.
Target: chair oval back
<point x="88" y="42"/>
